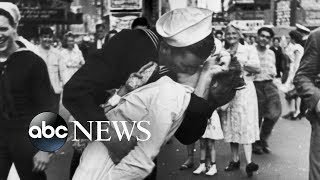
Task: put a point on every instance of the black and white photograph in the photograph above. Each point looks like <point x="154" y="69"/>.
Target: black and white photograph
<point x="159" y="89"/>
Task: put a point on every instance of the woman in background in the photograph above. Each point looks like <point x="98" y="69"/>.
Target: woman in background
<point x="72" y="54"/>
<point x="295" y="52"/>
<point x="240" y="117"/>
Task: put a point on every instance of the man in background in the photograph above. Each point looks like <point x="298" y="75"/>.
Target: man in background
<point x="269" y="103"/>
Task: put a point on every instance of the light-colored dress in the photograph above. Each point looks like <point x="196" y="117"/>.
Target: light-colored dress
<point x="241" y="119"/>
<point x="73" y="59"/>
<point x="213" y="130"/>
<point x="290" y="50"/>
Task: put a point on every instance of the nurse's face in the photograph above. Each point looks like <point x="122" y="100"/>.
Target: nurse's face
<point x="182" y="62"/>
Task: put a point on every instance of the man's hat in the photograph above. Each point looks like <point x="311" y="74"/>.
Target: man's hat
<point x="302" y="28"/>
<point x="12" y="9"/>
<point x="185" y="26"/>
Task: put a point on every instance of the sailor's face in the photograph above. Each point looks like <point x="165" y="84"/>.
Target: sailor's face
<point x="187" y="62"/>
<point x="7" y="33"/>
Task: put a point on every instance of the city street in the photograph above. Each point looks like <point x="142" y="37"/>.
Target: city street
<point x="288" y="161"/>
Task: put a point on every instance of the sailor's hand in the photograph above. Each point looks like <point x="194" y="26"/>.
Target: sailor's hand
<point x="41" y="161"/>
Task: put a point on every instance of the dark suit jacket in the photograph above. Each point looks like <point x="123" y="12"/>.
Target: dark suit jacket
<point x="306" y="79"/>
<point x="124" y="54"/>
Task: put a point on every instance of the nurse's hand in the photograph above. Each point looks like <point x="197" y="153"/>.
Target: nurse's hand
<point x="216" y="64"/>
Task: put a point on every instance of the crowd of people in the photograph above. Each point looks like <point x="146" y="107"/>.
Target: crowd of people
<point x="205" y="85"/>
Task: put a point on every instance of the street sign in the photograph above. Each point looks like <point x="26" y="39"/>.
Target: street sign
<point x="125" y="4"/>
<point x="249" y="26"/>
<point x="122" y="20"/>
<point x="37" y="15"/>
<point x="283" y="13"/>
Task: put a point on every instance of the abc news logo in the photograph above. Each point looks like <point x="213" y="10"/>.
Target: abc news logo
<point x="49" y="131"/>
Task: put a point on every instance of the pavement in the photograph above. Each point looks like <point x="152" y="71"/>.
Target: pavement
<point x="288" y="160"/>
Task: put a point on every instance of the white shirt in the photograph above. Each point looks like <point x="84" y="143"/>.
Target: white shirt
<point x="73" y="60"/>
<point x="57" y="68"/>
<point x="100" y="43"/>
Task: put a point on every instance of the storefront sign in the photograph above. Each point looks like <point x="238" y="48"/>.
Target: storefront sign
<point x="283" y="13"/>
<point x="125" y="4"/>
<point x="249" y="26"/>
<point x="313" y="18"/>
<point x="36" y="15"/>
<point x="244" y="1"/>
<point x="119" y="21"/>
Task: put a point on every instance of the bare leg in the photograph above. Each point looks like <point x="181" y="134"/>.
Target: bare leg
<point x="235" y="163"/>
<point x="248" y="152"/>
<point x="251" y="166"/>
<point x="212" y="149"/>
<point x="189" y="162"/>
<point x="203" y="148"/>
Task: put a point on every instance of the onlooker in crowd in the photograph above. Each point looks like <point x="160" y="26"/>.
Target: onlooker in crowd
<point x="219" y="35"/>
<point x="101" y="32"/>
<point x="25" y="91"/>
<point x="307" y="84"/>
<point x="267" y="92"/>
<point x="252" y="40"/>
<point x="56" y="65"/>
<point x="72" y="55"/>
<point x="140" y="23"/>
<point x="279" y="56"/>
<point x="94" y="50"/>
<point x="240" y="118"/>
<point x="295" y="52"/>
